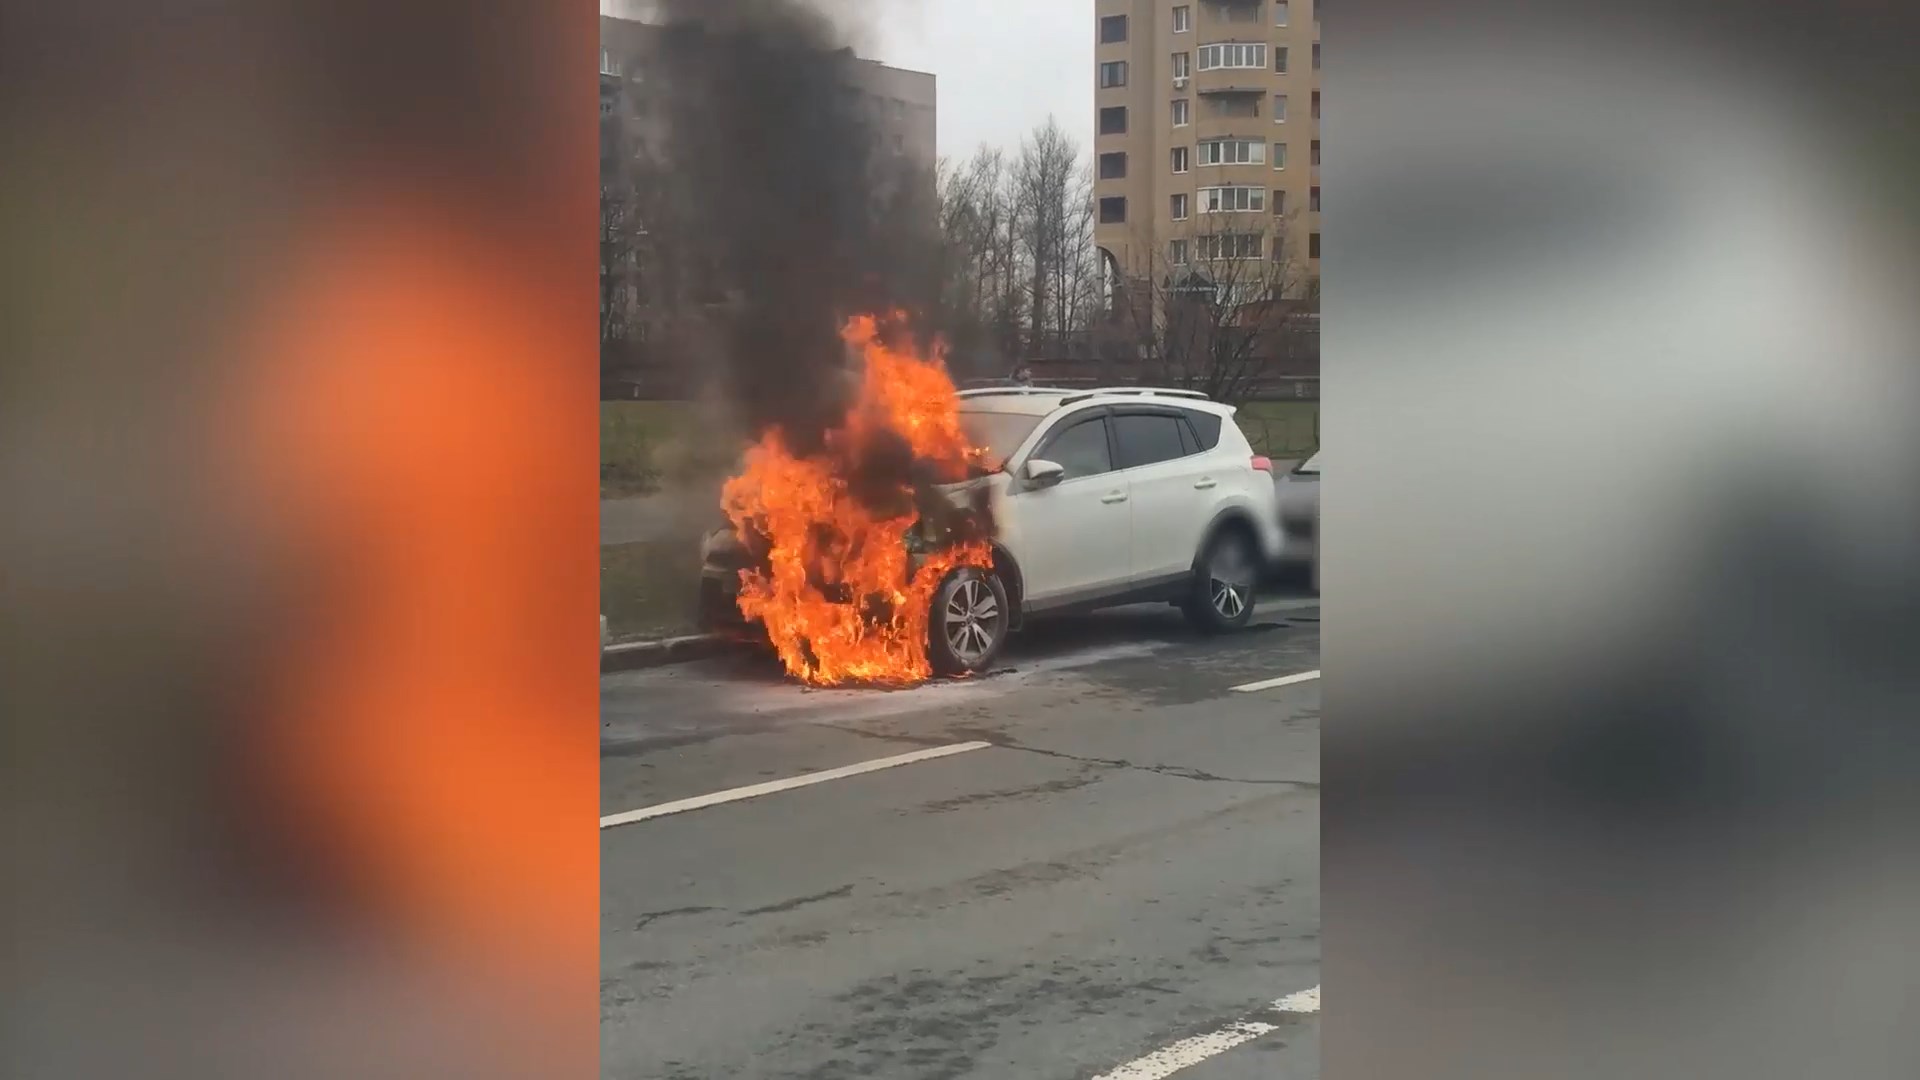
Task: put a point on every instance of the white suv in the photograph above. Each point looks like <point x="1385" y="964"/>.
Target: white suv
<point x="1099" y="498"/>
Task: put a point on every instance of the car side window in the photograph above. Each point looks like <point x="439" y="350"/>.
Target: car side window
<point x="1148" y="439"/>
<point x="1081" y="449"/>
<point x="1206" y="425"/>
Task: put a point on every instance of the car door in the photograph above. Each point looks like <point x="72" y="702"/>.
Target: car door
<point x="1172" y="495"/>
<point x="1072" y="539"/>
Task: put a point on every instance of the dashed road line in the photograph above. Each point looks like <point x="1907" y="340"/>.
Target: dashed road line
<point x="1190" y="1052"/>
<point x="772" y="787"/>
<point x="1274" y="684"/>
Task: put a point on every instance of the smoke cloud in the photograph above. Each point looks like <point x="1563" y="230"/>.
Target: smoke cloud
<point x="783" y="200"/>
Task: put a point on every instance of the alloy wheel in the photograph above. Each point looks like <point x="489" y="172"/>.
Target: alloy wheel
<point x="1230" y="579"/>
<point x="973" y="621"/>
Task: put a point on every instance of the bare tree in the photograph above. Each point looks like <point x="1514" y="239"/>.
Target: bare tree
<point x="1222" y="306"/>
<point x="1020" y="272"/>
<point x="1053" y="197"/>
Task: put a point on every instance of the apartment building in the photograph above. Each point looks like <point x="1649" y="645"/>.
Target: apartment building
<point x="1207" y="139"/>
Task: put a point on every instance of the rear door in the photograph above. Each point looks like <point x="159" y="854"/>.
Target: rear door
<point x="1172" y="494"/>
<point x="1073" y="540"/>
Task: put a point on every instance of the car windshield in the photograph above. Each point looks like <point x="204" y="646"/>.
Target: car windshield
<point x="999" y="434"/>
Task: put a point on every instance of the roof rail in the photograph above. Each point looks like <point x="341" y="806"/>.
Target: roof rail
<point x="1134" y="391"/>
<point x="1012" y="391"/>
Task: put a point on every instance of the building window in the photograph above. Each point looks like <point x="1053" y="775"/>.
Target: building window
<point x="1313" y="245"/>
<point x="1113" y="210"/>
<point x="609" y="64"/>
<point x="1316" y="153"/>
<point x="1316" y="104"/>
<point x="1233" y="106"/>
<point x="1279" y="202"/>
<point x="1112" y="74"/>
<point x="1182" y="159"/>
<point x="1279" y="155"/>
<point x="1182" y="18"/>
<point x="1177" y="252"/>
<point x="1113" y="29"/>
<point x="1113" y="167"/>
<point x="1113" y="119"/>
<point x="1178" y="208"/>
<point x="1233" y="200"/>
<point x="1279" y="12"/>
<point x="1313" y="199"/>
<point x="1231" y="246"/>
<point x="1279" y="59"/>
<point x="1233" y="55"/>
<point x="1182" y="112"/>
<point x="1279" y="108"/>
<point x="1182" y="65"/>
<point x="1233" y="152"/>
<point x="1316" y="56"/>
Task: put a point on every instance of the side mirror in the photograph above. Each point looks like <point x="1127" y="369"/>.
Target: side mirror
<point x="1044" y="474"/>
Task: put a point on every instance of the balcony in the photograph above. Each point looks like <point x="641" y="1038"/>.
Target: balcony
<point x="1231" y="14"/>
<point x="1232" y="81"/>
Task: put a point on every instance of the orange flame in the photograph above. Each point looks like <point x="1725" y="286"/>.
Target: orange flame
<point x="840" y="596"/>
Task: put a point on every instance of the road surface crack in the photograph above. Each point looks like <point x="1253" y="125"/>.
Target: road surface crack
<point x="1181" y="772"/>
<point x="789" y="905"/>
<point x="670" y="913"/>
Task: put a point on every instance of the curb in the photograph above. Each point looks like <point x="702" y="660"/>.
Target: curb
<point x="636" y="655"/>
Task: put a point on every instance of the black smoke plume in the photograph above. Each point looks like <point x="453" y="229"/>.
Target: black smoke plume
<point x="786" y="201"/>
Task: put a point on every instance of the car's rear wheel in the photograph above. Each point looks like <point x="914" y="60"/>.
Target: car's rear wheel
<point x="969" y="622"/>
<point x="1224" y="578"/>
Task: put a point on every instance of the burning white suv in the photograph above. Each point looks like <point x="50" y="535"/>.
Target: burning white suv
<point x="1099" y="498"/>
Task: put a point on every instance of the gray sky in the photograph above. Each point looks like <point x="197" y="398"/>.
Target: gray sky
<point x="1003" y="65"/>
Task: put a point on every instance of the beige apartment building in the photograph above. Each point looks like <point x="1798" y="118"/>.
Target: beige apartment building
<point x="1207" y="139"/>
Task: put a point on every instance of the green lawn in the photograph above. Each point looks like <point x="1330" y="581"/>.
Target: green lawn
<point x="1282" y="429"/>
<point x="650" y="589"/>
<point x="644" y="444"/>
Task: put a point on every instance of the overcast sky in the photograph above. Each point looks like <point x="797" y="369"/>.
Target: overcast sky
<point x="1003" y="65"/>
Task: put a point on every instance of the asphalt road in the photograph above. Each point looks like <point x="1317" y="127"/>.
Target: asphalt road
<point x="1129" y="868"/>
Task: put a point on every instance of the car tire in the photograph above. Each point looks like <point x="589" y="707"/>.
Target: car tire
<point x="968" y="622"/>
<point x="1225" y="578"/>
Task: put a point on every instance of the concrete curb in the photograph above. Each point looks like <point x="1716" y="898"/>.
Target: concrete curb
<point x="636" y="655"/>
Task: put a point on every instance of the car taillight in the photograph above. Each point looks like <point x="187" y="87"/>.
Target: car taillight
<point x="1265" y="465"/>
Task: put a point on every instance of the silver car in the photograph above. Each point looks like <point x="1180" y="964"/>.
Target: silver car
<point x="1299" y="498"/>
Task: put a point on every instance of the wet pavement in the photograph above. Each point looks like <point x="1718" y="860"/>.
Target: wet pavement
<point x="1118" y="852"/>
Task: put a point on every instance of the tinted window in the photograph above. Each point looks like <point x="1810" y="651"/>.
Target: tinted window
<point x="1145" y="440"/>
<point x="1081" y="449"/>
<point x="1187" y="443"/>
<point x="1207" y="426"/>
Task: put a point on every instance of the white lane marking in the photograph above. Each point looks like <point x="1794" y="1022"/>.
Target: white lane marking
<point x="1306" y="1001"/>
<point x="701" y="802"/>
<point x="1190" y="1052"/>
<point x="1271" y="684"/>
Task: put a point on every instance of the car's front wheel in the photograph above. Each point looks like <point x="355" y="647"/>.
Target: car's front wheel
<point x="968" y="623"/>
<point x="1224" y="577"/>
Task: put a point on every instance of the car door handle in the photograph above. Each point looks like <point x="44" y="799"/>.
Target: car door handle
<point x="1206" y="483"/>
<point x="1112" y="497"/>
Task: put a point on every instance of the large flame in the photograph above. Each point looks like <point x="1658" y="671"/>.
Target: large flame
<point x="838" y="592"/>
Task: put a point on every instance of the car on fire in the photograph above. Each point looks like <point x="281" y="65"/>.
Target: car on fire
<point x="1099" y="498"/>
